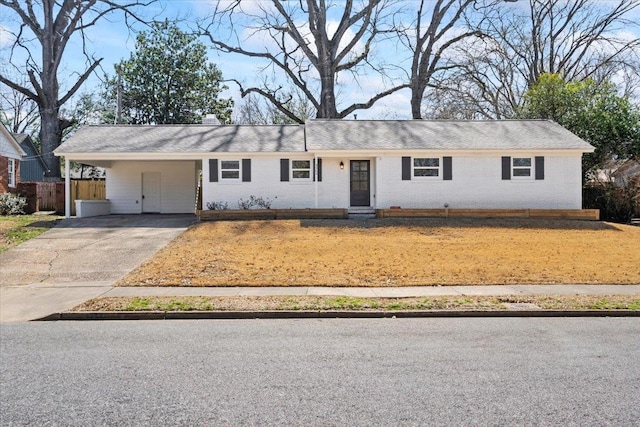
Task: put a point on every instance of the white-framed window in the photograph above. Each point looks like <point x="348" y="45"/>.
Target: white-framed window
<point x="230" y="170"/>
<point x="426" y="167"/>
<point x="12" y="172"/>
<point x="301" y="170"/>
<point x="521" y="168"/>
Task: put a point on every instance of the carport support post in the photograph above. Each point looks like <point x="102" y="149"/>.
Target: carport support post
<point x="315" y="180"/>
<point x="67" y="188"/>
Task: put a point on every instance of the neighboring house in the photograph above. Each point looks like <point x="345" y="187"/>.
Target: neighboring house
<point x="515" y="164"/>
<point x="10" y="154"/>
<point x="619" y="172"/>
<point x="32" y="167"/>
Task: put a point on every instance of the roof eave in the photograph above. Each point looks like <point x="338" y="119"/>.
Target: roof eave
<point x="12" y="140"/>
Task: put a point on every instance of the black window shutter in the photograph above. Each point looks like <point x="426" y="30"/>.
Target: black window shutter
<point x="213" y="170"/>
<point x="284" y="169"/>
<point x="447" y="173"/>
<point x="406" y="168"/>
<point x="506" y="168"/>
<point x="319" y="170"/>
<point x="540" y="167"/>
<point x="246" y="170"/>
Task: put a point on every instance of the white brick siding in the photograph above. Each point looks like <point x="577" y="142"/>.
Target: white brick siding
<point x="265" y="183"/>
<point x="177" y="185"/>
<point x="477" y="183"/>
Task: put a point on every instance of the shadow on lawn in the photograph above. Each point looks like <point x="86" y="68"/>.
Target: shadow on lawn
<point x="513" y="223"/>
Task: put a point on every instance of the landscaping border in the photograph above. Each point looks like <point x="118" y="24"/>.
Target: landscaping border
<point x="576" y="214"/>
<point x="254" y="214"/>
<point x="273" y="214"/>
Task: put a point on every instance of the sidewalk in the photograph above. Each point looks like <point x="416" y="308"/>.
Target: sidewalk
<point x="36" y="301"/>
<point x="395" y="292"/>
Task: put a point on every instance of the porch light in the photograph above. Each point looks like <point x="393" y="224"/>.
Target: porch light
<point x="341" y="165"/>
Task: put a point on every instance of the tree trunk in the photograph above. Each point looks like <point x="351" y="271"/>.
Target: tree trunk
<point x="50" y="138"/>
<point x="416" y="103"/>
<point x="418" y="88"/>
<point x="328" y="109"/>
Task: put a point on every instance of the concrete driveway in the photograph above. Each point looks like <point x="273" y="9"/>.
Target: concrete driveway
<point x="79" y="259"/>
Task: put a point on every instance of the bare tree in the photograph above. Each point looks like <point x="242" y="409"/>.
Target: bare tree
<point x="438" y="27"/>
<point x="44" y="31"/>
<point x="257" y="110"/>
<point x="307" y="46"/>
<point x="486" y="84"/>
<point x="577" y="38"/>
<point x="19" y="112"/>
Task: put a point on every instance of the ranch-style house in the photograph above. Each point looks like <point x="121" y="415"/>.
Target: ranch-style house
<point x="347" y="164"/>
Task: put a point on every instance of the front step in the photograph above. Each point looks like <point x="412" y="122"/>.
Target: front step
<point x="361" y="213"/>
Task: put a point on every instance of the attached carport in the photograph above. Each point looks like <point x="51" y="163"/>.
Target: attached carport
<point x="136" y="186"/>
<point x="148" y="170"/>
<point x="156" y="169"/>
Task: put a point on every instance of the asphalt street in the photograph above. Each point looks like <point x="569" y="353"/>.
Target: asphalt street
<point x="515" y="371"/>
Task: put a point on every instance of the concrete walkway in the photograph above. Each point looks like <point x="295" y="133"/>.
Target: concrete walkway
<point x="402" y="292"/>
<point x="79" y="259"/>
<point x="82" y="258"/>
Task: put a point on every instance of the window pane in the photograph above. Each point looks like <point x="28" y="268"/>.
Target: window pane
<point x="426" y="162"/>
<point x="355" y="166"/>
<point x="230" y="174"/>
<point x="364" y="166"/>
<point x="522" y="161"/>
<point x="301" y="164"/>
<point x="301" y="174"/>
<point x="425" y="172"/>
<point x="230" y="164"/>
<point x="11" y="173"/>
<point x="522" y="172"/>
<point x="359" y="186"/>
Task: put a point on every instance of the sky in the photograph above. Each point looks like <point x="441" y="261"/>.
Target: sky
<point x="111" y="40"/>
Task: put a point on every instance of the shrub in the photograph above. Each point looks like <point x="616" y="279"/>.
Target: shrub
<point x="12" y="204"/>
<point x="217" y="206"/>
<point x="254" y="201"/>
<point x="616" y="203"/>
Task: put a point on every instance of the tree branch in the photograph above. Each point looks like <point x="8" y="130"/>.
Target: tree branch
<point x="366" y="105"/>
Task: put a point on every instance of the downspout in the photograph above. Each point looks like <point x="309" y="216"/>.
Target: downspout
<point x="67" y="188"/>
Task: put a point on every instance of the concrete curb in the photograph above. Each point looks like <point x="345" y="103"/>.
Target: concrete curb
<point x="369" y="314"/>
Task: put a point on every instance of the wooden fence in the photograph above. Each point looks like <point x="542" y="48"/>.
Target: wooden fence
<point x="86" y="190"/>
<point x="46" y="193"/>
<point x="50" y="195"/>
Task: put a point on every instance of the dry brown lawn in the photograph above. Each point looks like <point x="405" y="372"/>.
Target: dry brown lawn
<point x="394" y="252"/>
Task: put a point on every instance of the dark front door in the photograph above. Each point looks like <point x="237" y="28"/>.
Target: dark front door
<point x="360" y="183"/>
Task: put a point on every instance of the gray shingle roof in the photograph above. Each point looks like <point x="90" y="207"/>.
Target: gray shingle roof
<point x="440" y="135"/>
<point x="184" y="139"/>
<point x="326" y="135"/>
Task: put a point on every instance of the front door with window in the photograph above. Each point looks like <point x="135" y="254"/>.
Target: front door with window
<point x="360" y="183"/>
